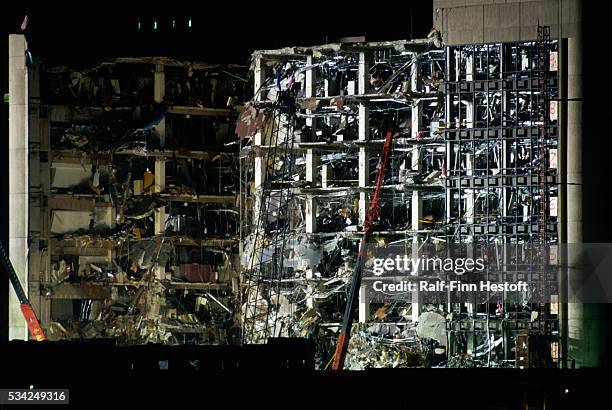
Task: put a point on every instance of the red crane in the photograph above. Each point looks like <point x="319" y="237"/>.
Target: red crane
<point x="26" y="309"/>
<point x="369" y="224"/>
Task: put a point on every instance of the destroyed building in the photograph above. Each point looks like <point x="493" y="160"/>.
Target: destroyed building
<point x="473" y="161"/>
<point x="181" y="202"/>
<point x="132" y="204"/>
<point x="312" y="165"/>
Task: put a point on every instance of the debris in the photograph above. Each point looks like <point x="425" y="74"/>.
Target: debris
<point x="432" y="326"/>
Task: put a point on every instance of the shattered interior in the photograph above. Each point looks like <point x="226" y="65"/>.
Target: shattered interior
<point x="298" y="261"/>
<point x="142" y="239"/>
<point x="472" y="162"/>
<point x="180" y="212"/>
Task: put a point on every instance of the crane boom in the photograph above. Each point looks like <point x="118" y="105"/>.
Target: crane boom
<point x="26" y="308"/>
<point x="369" y="224"/>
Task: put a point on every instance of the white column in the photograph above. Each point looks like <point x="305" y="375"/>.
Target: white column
<point x="417" y="112"/>
<point x="416" y="163"/>
<point x="416" y="224"/>
<point x="364" y="177"/>
<point x="417" y="210"/>
<point x="416" y="294"/>
<point x="18" y="178"/>
<point x="364" y="169"/>
<point x="363" y="135"/>
<point x="364" y="304"/>
<point x="258" y="141"/>
<point x="416" y="205"/>
<point x="159" y="92"/>
<point x="160" y="213"/>
<point x="312" y="172"/>
<point x="312" y="163"/>
<point x="311" y="214"/>
<point x="312" y="156"/>
<point x="326" y="175"/>
<point x="586" y="322"/>
<point x="449" y="147"/>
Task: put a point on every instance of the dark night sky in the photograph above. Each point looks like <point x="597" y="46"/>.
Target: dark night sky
<point x="224" y="32"/>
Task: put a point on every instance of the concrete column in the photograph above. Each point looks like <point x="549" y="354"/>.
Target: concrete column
<point x="311" y="214"/>
<point x="449" y="147"/>
<point x="417" y="216"/>
<point x="364" y="168"/>
<point x="159" y="92"/>
<point x="160" y="175"/>
<point x="326" y="175"/>
<point x="416" y="163"/>
<point x="417" y="112"/>
<point x="562" y="196"/>
<point x="312" y="156"/>
<point x="364" y="305"/>
<point x="311" y="200"/>
<point x="363" y="135"/>
<point x="574" y="142"/>
<point x="585" y="321"/>
<point x="312" y="164"/>
<point x="416" y="205"/>
<point x="363" y="74"/>
<point x="160" y="213"/>
<point x="18" y="178"/>
<point x="576" y="323"/>
<point x="258" y="140"/>
<point x="364" y="179"/>
<point x="416" y="294"/>
<point x="159" y="83"/>
<point x="415" y="159"/>
<point x="312" y="172"/>
<point x="417" y="210"/>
